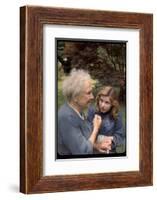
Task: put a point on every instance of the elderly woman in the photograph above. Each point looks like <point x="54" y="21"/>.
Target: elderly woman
<point x="75" y="134"/>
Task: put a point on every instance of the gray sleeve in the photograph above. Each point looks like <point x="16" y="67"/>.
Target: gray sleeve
<point x="73" y="138"/>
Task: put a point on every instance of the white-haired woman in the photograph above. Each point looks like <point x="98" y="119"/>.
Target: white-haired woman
<point x="75" y="134"/>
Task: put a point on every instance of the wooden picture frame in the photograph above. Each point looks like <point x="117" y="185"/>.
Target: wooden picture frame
<point x="32" y="19"/>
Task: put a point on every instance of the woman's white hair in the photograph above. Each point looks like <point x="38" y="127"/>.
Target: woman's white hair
<point x="73" y="85"/>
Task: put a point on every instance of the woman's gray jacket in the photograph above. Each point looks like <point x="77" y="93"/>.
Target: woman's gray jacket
<point x="73" y="133"/>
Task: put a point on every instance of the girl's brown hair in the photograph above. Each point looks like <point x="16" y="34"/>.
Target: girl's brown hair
<point x="110" y="92"/>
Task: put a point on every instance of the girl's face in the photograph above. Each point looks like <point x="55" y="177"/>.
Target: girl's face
<point x="104" y="104"/>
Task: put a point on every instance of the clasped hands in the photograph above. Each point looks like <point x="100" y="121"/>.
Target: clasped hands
<point x="105" y="145"/>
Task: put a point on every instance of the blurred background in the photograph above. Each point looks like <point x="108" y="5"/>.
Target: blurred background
<point x="104" y="60"/>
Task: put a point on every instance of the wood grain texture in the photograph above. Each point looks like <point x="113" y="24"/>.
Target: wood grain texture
<point x="32" y="20"/>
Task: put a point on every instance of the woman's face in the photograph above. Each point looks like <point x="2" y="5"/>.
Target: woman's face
<point x="104" y="104"/>
<point x="86" y="96"/>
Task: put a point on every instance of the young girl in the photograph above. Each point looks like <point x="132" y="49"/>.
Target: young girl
<point x="111" y="129"/>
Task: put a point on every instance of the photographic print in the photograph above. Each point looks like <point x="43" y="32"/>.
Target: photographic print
<point x="91" y="82"/>
<point x="85" y="99"/>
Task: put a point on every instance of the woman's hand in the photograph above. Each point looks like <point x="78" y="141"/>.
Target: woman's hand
<point x="107" y="143"/>
<point x="97" y="122"/>
<point x="96" y="125"/>
<point x="108" y="139"/>
<point x="104" y="146"/>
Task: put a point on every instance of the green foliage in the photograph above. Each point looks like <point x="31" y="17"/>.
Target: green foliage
<point x="105" y="61"/>
<point x="120" y="149"/>
<point x="60" y="95"/>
